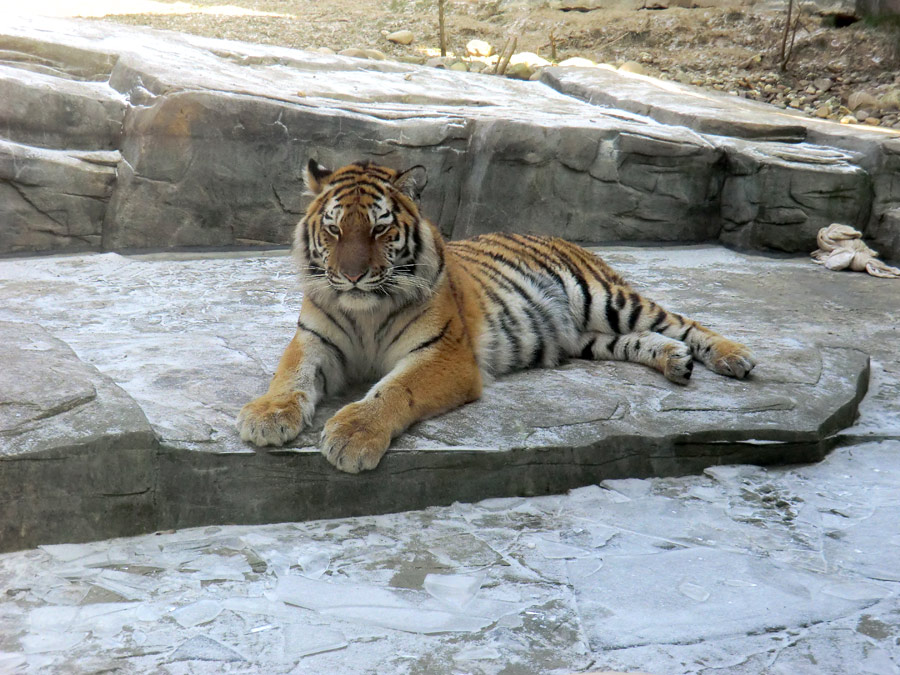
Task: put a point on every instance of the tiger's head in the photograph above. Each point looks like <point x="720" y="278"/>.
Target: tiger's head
<point x="362" y="241"/>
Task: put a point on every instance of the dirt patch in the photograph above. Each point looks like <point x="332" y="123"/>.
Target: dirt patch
<point x="732" y="48"/>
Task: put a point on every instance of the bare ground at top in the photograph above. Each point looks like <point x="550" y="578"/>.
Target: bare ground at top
<point x="732" y="46"/>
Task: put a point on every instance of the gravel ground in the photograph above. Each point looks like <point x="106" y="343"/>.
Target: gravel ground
<point x="847" y="73"/>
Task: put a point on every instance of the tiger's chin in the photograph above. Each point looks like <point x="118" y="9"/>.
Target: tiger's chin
<point x="359" y="300"/>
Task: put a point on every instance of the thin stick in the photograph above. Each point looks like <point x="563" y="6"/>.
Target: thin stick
<point x="441" y="30"/>
<point x="508" y="50"/>
<point x="784" y="35"/>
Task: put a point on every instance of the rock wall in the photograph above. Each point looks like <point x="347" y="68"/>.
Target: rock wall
<point x="117" y="138"/>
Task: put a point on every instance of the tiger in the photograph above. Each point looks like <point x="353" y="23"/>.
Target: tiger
<point x="386" y="299"/>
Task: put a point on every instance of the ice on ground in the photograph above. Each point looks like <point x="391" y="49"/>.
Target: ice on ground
<point x="305" y="640"/>
<point x="856" y="590"/>
<point x="84" y="553"/>
<point x="129" y="586"/>
<point x="11" y="662"/>
<point x="456" y="590"/>
<point x="197" y="613"/>
<point x="218" y="567"/>
<point x="314" y="563"/>
<point x="203" y="648"/>
<point x="408" y="611"/>
<point x="411" y="619"/>
<point x="694" y="591"/>
<point x="52" y="618"/>
<point x="632" y="488"/>
<point x="481" y="653"/>
<point x="500" y="503"/>
<point x="106" y="618"/>
<point x="781" y="596"/>
<point x="579" y="570"/>
<point x="51" y="641"/>
<point x="554" y="550"/>
<point x="324" y="595"/>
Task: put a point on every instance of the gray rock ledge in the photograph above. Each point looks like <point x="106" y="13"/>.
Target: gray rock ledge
<point x="211" y="137"/>
<point x="188" y="339"/>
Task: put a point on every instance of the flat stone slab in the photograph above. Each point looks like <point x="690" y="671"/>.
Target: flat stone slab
<point x="192" y="337"/>
<point x="77" y="455"/>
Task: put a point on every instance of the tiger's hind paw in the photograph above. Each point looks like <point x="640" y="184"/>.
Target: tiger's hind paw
<point x="679" y="365"/>
<point x="731" y="359"/>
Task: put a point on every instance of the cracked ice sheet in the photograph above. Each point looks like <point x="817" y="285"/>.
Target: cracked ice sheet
<point x="703" y="574"/>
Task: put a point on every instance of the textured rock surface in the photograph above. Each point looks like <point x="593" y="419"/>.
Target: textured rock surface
<point x="53" y="199"/>
<point x="213" y="137"/>
<point x="783" y="175"/>
<point x="191" y="339"/>
<point x="63" y="424"/>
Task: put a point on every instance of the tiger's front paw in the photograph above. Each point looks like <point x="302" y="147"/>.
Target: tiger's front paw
<point x="274" y="420"/>
<point x="355" y="439"/>
<point x="731" y="359"/>
<point x="678" y="363"/>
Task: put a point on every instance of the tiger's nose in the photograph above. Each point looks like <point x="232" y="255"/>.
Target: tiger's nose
<point x="354" y="277"/>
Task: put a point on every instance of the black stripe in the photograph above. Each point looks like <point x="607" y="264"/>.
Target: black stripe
<point x="416" y="240"/>
<point x="388" y="320"/>
<point x="406" y="269"/>
<point x="685" y="333"/>
<point x="636" y="308"/>
<point x="530" y="249"/>
<point x="659" y="321"/>
<point x="325" y="341"/>
<point x="305" y="240"/>
<point x="497" y="275"/>
<point x="484" y="311"/>
<point x="587" y="298"/>
<point x="333" y="320"/>
<point x="440" y="268"/>
<point x="314" y="270"/>
<point x="538" y="357"/>
<point x="637" y="347"/>
<point x="529" y="306"/>
<point x="612" y="314"/>
<point x="589" y="261"/>
<point x="406" y="327"/>
<point x="511" y="336"/>
<point x="530" y="276"/>
<point x="430" y="341"/>
<point x="588" y="351"/>
<point x="611" y="345"/>
<point x="320" y="375"/>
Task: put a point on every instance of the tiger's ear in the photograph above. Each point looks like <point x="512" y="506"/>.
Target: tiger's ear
<point x="412" y="181"/>
<point x="315" y="176"/>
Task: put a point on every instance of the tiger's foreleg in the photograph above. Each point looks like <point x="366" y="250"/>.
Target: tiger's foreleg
<point x="422" y="384"/>
<point x="310" y="365"/>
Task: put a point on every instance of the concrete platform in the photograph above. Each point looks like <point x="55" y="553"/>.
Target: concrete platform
<point x="185" y="340"/>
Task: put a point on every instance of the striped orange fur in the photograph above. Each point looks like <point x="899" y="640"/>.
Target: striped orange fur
<point x="387" y="300"/>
